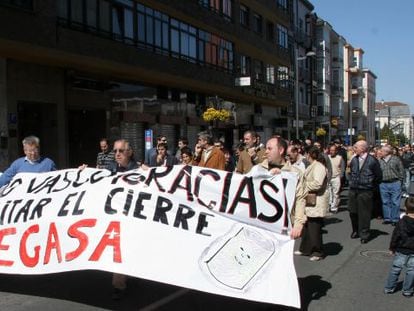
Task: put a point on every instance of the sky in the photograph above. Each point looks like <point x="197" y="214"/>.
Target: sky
<point x="383" y="29"/>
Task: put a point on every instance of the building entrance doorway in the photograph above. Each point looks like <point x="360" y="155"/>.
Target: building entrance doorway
<point x="85" y="129"/>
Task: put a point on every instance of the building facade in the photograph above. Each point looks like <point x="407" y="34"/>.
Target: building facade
<point x="396" y="116"/>
<point x="74" y="71"/>
<point x="353" y="92"/>
<point x="368" y="105"/>
<point x="303" y="107"/>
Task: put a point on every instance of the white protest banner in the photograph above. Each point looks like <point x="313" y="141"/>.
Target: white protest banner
<point x="193" y="227"/>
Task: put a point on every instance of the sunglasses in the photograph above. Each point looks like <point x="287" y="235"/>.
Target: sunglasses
<point x="119" y="150"/>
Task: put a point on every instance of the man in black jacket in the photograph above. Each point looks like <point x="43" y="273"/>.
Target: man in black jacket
<point x="364" y="177"/>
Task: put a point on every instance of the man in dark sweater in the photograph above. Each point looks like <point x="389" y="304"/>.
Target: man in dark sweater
<point x="365" y="175"/>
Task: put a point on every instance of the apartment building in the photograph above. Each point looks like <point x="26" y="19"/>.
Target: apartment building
<point x="72" y="71"/>
<point x="354" y="93"/>
<point x="368" y="106"/>
<point x="303" y="108"/>
<point x="330" y="77"/>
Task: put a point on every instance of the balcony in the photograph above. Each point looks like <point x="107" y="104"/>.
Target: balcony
<point x="357" y="90"/>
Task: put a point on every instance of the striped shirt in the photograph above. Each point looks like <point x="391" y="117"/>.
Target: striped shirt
<point x="104" y="159"/>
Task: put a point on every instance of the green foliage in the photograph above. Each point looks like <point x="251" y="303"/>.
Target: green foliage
<point x="395" y="139"/>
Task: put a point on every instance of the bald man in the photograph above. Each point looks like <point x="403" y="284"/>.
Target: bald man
<point x="364" y="177"/>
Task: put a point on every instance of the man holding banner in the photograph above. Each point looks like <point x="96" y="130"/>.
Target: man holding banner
<point x="275" y="163"/>
<point x="31" y="162"/>
<point x="123" y="162"/>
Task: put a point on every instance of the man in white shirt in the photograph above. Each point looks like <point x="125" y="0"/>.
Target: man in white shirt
<point x="337" y="163"/>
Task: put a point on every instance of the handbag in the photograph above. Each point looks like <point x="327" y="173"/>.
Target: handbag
<point x="311" y="199"/>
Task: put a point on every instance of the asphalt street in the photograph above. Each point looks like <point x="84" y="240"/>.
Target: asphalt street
<point x="351" y="277"/>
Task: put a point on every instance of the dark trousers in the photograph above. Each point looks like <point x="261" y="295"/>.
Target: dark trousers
<point x="360" y="210"/>
<point x="311" y="243"/>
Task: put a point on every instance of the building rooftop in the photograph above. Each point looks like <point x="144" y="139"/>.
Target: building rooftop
<point x="397" y="109"/>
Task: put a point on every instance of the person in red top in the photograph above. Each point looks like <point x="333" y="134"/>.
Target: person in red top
<point x="210" y="156"/>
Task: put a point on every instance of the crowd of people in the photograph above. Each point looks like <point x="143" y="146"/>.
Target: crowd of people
<point x="378" y="178"/>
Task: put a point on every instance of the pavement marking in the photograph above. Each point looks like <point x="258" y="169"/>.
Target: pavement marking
<point x="165" y="300"/>
<point x="377" y="254"/>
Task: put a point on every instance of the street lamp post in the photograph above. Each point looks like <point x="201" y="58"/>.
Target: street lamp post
<point x="297" y="59"/>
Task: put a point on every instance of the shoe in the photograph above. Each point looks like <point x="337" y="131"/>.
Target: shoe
<point x="388" y="291"/>
<point x="407" y="295"/>
<point x="354" y="235"/>
<point x="393" y="224"/>
<point x="117" y="294"/>
<point x="298" y="253"/>
<point x="364" y="241"/>
<point x="334" y="211"/>
<point x="315" y="258"/>
<point x="386" y="222"/>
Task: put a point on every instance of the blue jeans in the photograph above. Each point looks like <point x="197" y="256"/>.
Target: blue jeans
<point x="401" y="260"/>
<point x="391" y="199"/>
<point x="407" y="180"/>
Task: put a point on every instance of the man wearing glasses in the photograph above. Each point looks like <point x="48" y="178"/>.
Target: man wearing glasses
<point x="124" y="161"/>
<point x="32" y="161"/>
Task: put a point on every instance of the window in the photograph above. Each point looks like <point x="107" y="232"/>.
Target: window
<point x="282" y="4"/>
<point x="282" y="34"/>
<point x="134" y="23"/>
<point x="270" y="74"/>
<point x="283" y="77"/>
<point x="91" y="13"/>
<point x="62" y="9"/>
<point x="227" y="8"/>
<point x="244" y="65"/>
<point x="123" y="20"/>
<point x="222" y="7"/>
<point x="104" y="16"/>
<point x="76" y="11"/>
<point x="258" y="70"/>
<point x="244" y="16"/>
<point x="257" y="23"/>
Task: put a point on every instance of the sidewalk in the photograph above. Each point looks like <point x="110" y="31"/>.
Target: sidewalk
<point x="352" y="275"/>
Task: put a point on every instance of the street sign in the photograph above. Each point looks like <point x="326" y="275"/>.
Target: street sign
<point x="148" y="139"/>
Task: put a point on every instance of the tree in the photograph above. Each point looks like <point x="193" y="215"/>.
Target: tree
<point x="395" y="139"/>
<point x="387" y="134"/>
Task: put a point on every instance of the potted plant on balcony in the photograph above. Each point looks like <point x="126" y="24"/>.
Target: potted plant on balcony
<point x="213" y="116"/>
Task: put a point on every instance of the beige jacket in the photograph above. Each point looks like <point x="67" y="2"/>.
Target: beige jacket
<point x="316" y="181"/>
<point x="297" y="215"/>
<point x="245" y="162"/>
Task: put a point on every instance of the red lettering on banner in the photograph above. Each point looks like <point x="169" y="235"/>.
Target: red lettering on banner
<point x="110" y="238"/>
<point x="24" y="256"/>
<point x="52" y="243"/>
<point x="3" y="247"/>
<point x="74" y="232"/>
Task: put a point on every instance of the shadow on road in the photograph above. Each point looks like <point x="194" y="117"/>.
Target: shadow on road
<point x="332" y="248"/>
<point x="312" y="288"/>
<point x="376" y="233"/>
<point x="331" y="220"/>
